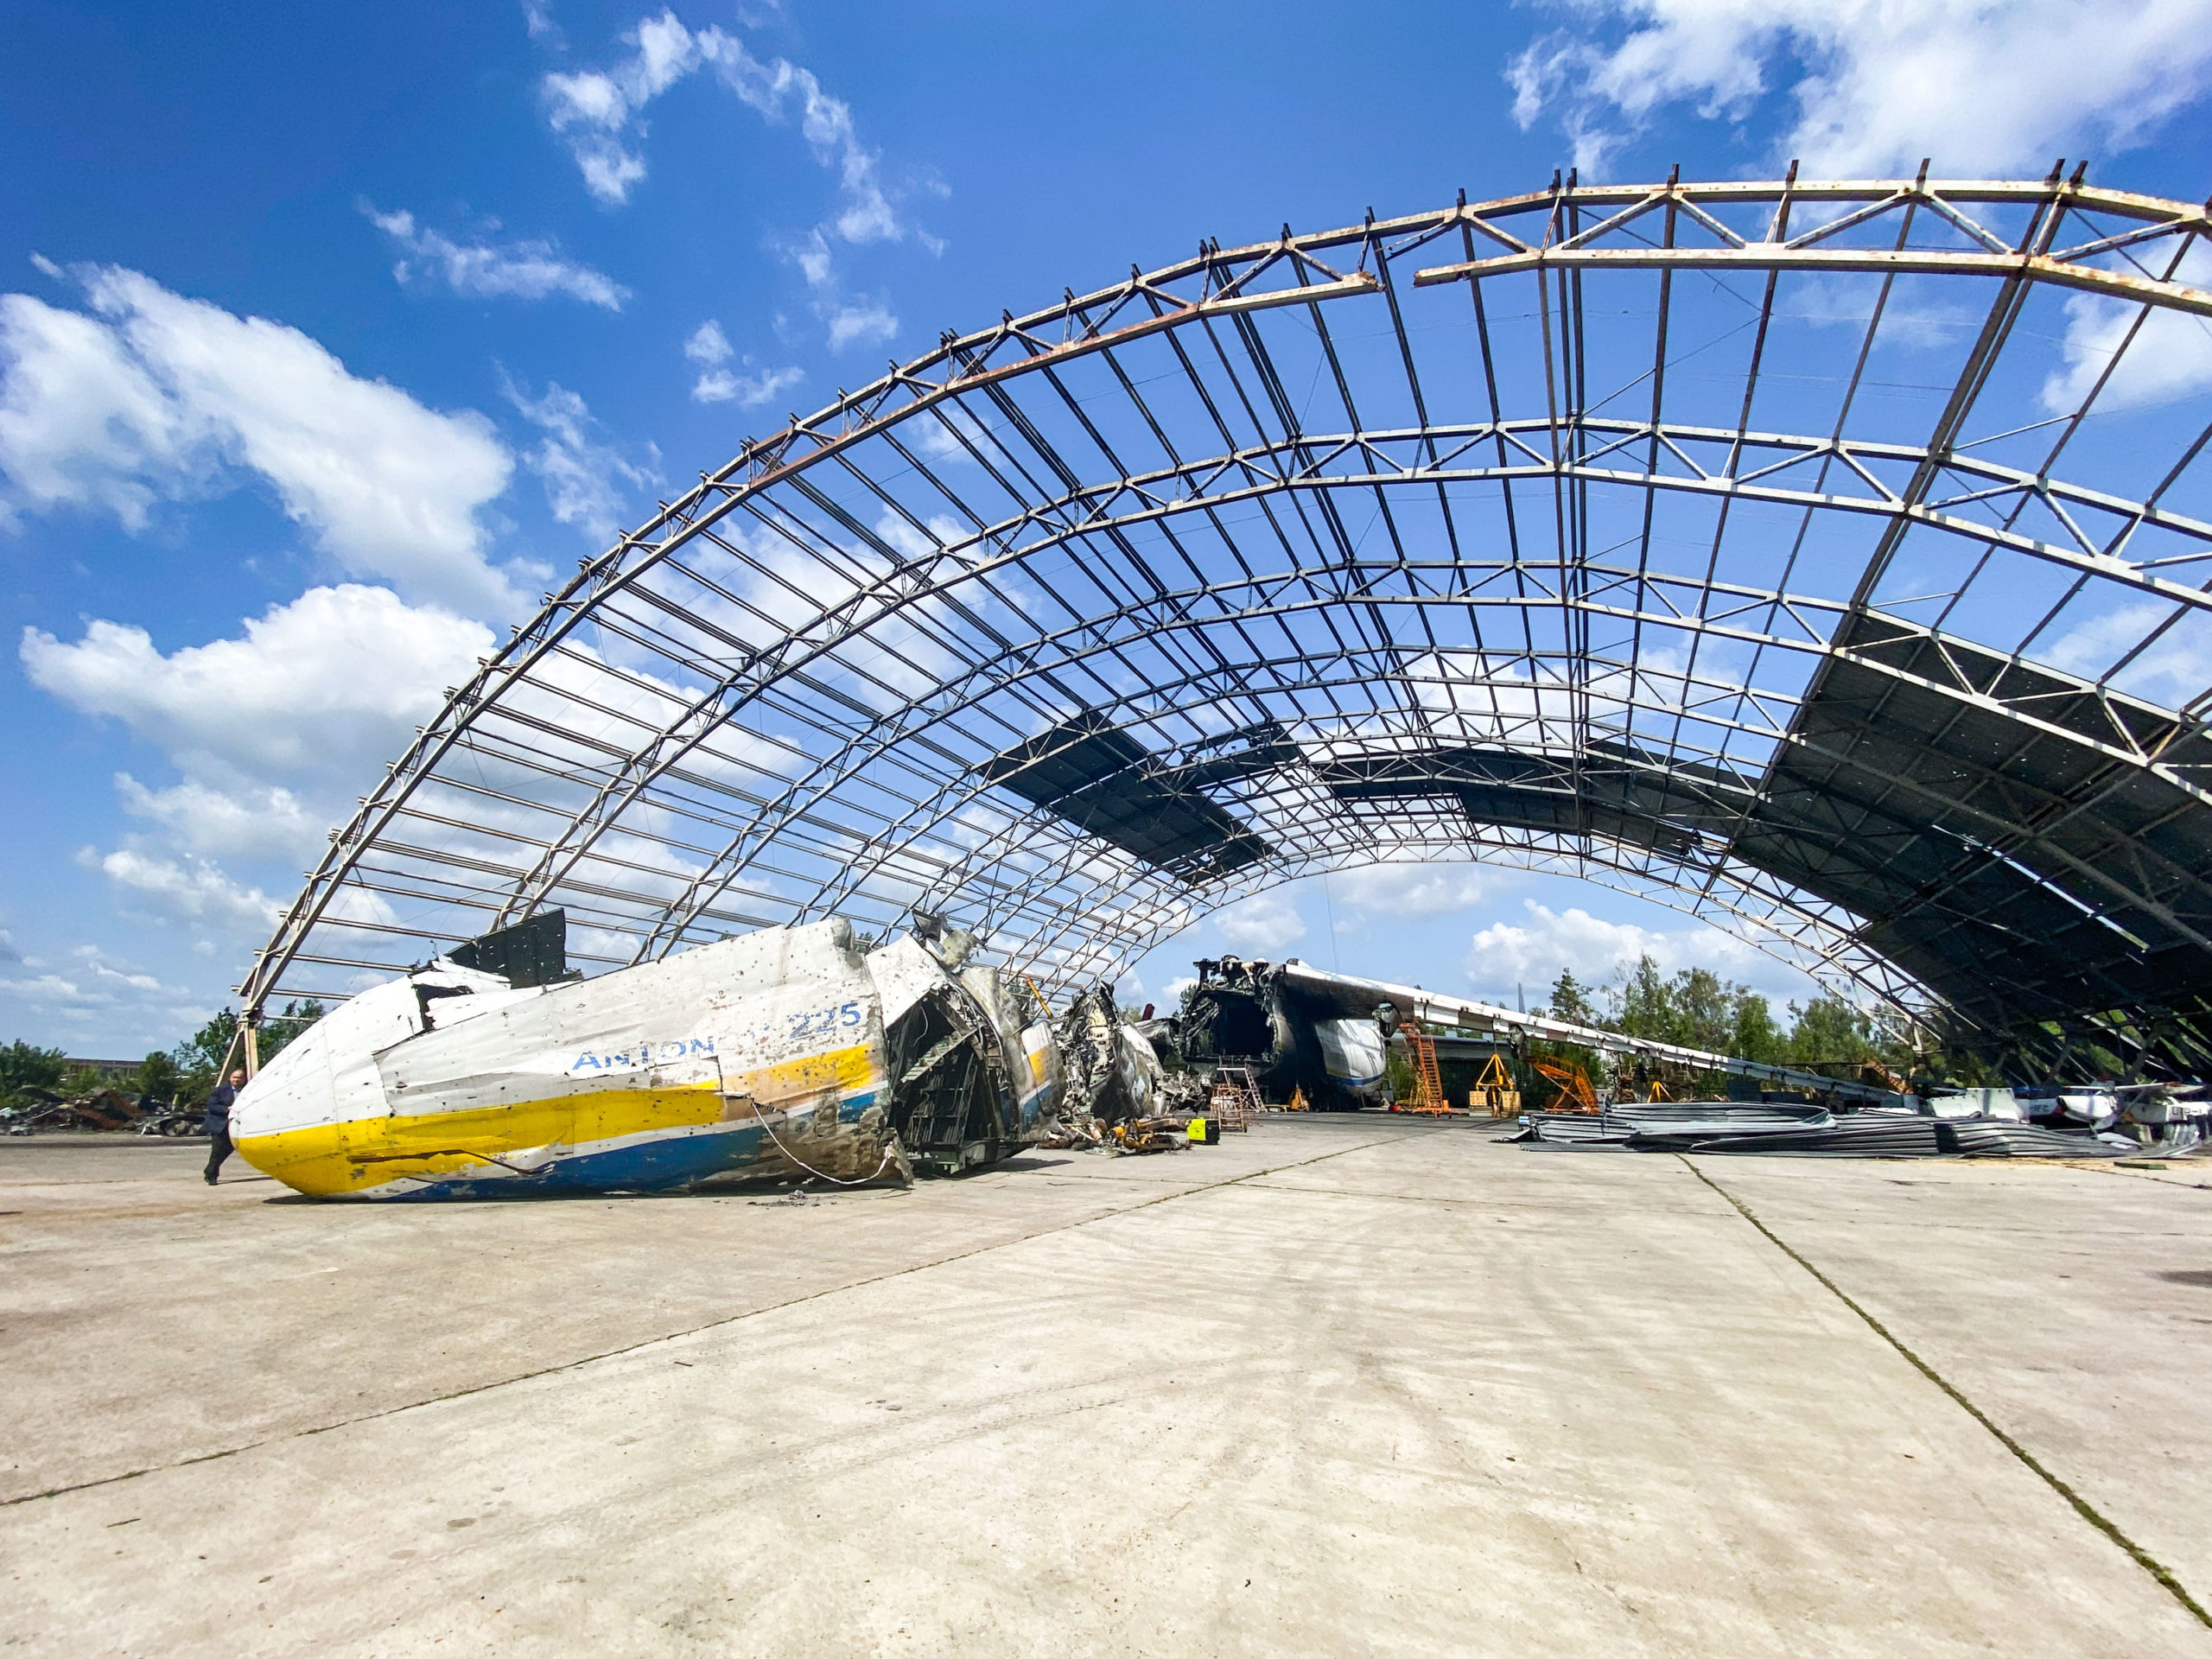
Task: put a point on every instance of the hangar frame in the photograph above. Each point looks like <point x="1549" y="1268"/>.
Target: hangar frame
<point x="1830" y="560"/>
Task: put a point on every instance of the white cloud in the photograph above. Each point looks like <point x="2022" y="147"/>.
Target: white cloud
<point x="523" y="270"/>
<point x="93" y="984"/>
<point x="273" y="733"/>
<point x="322" y="688"/>
<point x="746" y="390"/>
<point x="710" y="349"/>
<point x="938" y="434"/>
<point x="1414" y="890"/>
<point x="537" y="18"/>
<point x="1911" y="320"/>
<point x="243" y="822"/>
<point x="195" y="891"/>
<point x="584" y="470"/>
<point x="865" y="323"/>
<point x="155" y="397"/>
<point x="1262" y="925"/>
<point x="1984" y="86"/>
<point x="2174" y="671"/>
<point x="601" y="113"/>
<point x="707" y="344"/>
<point x="2170" y="357"/>
<point x="82" y="423"/>
<point x="810" y="253"/>
<point x="826" y="122"/>
<point x="1505" y="957"/>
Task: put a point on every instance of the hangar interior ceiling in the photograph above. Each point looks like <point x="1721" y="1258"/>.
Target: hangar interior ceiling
<point x="1826" y="560"/>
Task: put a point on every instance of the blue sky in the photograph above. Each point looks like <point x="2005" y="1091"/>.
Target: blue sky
<point x="327" y="335"/>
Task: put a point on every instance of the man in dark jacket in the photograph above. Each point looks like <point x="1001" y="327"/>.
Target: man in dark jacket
<point x="219" y="1121"/>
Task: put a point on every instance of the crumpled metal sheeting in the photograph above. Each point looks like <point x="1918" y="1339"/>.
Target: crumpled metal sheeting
<point x="1993" y="1138"/>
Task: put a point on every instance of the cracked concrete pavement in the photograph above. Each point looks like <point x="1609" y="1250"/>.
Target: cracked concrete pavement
<point x="1341" y="1384"/>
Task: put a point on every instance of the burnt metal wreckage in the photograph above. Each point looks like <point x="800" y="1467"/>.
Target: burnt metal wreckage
<point x="1807" y="555"/>
<point x="41" y="1111"/>
<point x="1328" y="1034"/>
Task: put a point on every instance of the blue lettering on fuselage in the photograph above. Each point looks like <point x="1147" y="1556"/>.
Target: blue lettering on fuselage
<point x="645" y="1054"/>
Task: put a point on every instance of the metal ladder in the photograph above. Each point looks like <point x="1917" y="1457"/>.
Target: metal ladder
<point x="1429" y="1085"/>
<point x="1234" y="1100"/>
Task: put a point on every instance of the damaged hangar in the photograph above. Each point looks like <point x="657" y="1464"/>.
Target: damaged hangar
<point x="1765" y="548"/>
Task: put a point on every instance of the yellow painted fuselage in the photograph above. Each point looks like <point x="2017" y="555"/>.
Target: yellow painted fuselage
<point x="766" y="1050"/>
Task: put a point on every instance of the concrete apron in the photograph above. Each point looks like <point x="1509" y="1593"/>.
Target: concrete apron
<point x="1336" y="1386"/>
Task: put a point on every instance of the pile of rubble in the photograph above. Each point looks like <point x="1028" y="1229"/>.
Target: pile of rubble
<point x="37" y="1111"/>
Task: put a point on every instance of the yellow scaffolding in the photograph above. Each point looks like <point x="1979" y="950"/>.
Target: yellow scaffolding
<point x="1494" y="1092"/>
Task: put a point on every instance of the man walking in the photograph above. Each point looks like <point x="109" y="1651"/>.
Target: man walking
<point x="219" y="1121"/>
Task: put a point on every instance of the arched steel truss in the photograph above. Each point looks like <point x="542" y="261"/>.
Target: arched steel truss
<point x="1802" y="554"/>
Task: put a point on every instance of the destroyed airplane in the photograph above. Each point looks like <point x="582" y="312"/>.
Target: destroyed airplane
<point x="493" y="1072"/>
<point x="1114" y="1073"/>
<point x="1294" y="1034"/>
<point x="1299" y="1026"/>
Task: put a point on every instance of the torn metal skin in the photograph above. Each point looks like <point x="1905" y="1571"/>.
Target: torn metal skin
<point x="788" y="1051"/>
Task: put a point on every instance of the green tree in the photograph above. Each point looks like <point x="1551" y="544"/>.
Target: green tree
<point x="279" y="1031"/>
<point x="1752" y="1033"/>
<point x="1693" y="1009"/>
<point x="158" y="1076"/>
<point x="1705" y="1009"/>
<point x="1828" y="1030"/>
<point x="1571" y="1000"/>
<point x="24" y="1067"/>
<point x="1642" y="1004"/>
<point x="200" y="1058"/>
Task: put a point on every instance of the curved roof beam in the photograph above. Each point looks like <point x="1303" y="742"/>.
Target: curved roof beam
<point x="641" y="762"/>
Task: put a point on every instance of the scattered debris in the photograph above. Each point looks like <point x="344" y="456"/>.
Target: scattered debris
<point x="1146" y="1135"/>
<point x="108" y="1110"/>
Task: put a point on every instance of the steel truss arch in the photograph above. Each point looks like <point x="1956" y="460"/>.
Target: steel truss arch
<point x="1733" y="543"/>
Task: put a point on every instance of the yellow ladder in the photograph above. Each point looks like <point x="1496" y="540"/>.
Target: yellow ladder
<point x="1428" y="1085"/>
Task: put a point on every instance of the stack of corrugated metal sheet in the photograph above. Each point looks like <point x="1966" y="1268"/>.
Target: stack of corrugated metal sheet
<point x="1857" y="1135"/>
<point x="1570" y="1130"/>
<point x="1676" y="1126"/>
<point x="1714" y="1126"/>
<point x="1991" y="1137"/>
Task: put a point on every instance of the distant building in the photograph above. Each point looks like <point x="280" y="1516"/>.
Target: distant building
<point x="108" y="1070"/>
